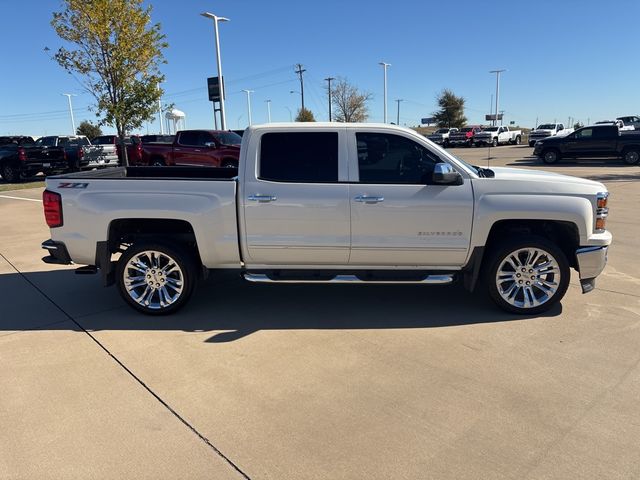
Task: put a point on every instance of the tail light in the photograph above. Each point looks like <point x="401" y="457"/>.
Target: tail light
<point x="52" y="203"/>
<point x="139" y="152"/>
<point x="22" y="154"/>
<point x="80" y="153"/>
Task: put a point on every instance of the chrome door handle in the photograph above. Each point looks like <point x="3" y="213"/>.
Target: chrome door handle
<point x="177" y="149"/>
<point x="262" y="198"/>
<point x="368" y="199"/>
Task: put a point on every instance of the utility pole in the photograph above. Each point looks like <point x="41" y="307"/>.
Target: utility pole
<point x="328" y="80"/>
<point x="398" y="114"/>
<point x="497" y="72"/>
<point x="73" y="123"/>
<point x="268" y="109"/>
<point x="491" y="106"/>
<point x="384" y="67"/>
<point x="160" y="114"/>
<point x="248" y="92"/>
<point x="299" y="70"/>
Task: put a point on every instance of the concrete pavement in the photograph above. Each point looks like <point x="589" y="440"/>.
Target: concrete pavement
<point x="319" y="381"/>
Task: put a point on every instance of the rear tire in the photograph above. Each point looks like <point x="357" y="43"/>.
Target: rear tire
<point x="631" y="156"/>
<point x="518" y="140"/>
<point x="551" y="156"/>
<point x="157" y="162"/>
<point x="531" y="144"/>
<point x="527" y="275"/>
<point x="11" y="173"/>
<point x="156" y="278"/>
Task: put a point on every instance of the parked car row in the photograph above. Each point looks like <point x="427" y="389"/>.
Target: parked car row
<point x="22" y="157"/>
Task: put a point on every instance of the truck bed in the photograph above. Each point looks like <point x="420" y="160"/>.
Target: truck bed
<point x="142" y="173"/>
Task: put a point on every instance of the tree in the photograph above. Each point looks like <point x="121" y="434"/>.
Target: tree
<point x="349" y="103"/>
<point x="117" y="52"/>
<point x="305" y="115"/>
<point x="451" y="113"/>
<point x="89" y="130"/>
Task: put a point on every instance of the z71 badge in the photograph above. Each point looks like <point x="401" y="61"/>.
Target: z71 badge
<point x="72" y="185"/>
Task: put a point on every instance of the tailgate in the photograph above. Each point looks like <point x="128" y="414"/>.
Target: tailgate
<point x="44" y="154"/>
<point x="101" y="154"/>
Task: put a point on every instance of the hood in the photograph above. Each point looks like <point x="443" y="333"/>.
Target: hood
<point x="526" y="175"/>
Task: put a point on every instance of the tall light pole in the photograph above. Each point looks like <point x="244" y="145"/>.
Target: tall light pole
<point x="73" y="123"/>
<point x="384" y="67"/>
<point x="328" y="80"/>
<point x="248" y="92"/>
<point x="497" y="72"/>
<point x="216" y="19"/>
<point x="290" y="115"/>
<point x="398" y="116"/>
<point x="268" y="109"/>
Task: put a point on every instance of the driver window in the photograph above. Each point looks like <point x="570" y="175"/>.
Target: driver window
<point x="385" y="158"/>
<point x="585" y="133"/>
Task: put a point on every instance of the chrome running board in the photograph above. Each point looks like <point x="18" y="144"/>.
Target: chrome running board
<point x="428" y="280"/>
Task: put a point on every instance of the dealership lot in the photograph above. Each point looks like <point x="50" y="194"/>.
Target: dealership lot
<point x="320" y="381"/>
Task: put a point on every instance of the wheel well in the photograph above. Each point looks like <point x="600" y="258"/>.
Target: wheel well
<point x="563" y="234"/>
<point x="128" y="231"/>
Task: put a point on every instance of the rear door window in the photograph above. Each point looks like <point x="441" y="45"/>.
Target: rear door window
<point x="190" y="139"/>
<point x="299" y="157"/>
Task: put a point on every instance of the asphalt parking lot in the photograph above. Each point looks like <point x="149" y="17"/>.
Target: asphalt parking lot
<point x="320" y="382"/>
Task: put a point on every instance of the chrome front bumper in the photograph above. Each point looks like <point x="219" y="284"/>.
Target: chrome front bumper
<point x="591" y="263"/>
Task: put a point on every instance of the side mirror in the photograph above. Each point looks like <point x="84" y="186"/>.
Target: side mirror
<point x="210" y="145"/>
<point x="444" y="174"/>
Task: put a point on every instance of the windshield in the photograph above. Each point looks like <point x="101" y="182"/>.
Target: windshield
<point x="547" y="126"/>
<point x="442" y="130"/>
<point x="491" y="129"/>
<point x="229" y="138"/>
<point x="466" y="129"/>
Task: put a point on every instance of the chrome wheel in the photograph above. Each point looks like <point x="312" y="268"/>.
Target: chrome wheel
<point x="153" y="279"/>
<point x="528" y="278"/>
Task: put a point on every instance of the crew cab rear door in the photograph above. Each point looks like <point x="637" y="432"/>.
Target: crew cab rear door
<point x="296" y="199"/>
<point x="399" y="217"/>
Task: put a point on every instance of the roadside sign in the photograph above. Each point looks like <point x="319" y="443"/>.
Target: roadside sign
<point x="427" y="121"/>
<point x="493" y="116"/>
<point x="213" y="86"/>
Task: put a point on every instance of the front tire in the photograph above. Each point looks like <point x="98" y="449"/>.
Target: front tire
<point x="551" y="156"/>
<point x="528" y="275"/>
<point x="156" y="278"/>
<point x="518" y="140"/>
<point x="631" y="156"/>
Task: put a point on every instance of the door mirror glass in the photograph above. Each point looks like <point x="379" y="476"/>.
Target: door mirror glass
<point x="210" y="144"/>
<point x="444" y="174"/>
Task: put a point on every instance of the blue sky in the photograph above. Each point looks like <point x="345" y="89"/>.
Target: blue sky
<point x="563" y="58"/>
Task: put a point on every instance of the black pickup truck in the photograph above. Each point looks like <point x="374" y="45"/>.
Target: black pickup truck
<point x="20" y="158"/>
<point x="591" y="142"/>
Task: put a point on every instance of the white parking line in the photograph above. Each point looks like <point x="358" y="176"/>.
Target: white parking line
<point x="21" y="198"/>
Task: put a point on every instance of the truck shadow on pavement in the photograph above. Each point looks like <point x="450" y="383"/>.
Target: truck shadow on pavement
<point x="234" y="308"/>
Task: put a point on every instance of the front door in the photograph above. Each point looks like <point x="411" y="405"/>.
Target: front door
<point x="398" y="216"/>
<point x="296" y="211"/>
<point x="191" y="148"/>
<point x="589" y="142"/>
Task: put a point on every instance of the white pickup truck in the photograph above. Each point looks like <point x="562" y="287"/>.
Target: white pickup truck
<point x="547" y="130"/>
<point x="335" y="203"/>
<point x="498" y="135"/>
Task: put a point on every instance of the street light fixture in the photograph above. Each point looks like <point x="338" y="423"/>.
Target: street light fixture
<point x="248" y="92"/>
<point x="384" y="67"/>
<point x="497" y="72"/>
<point x="216" y="19"/>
